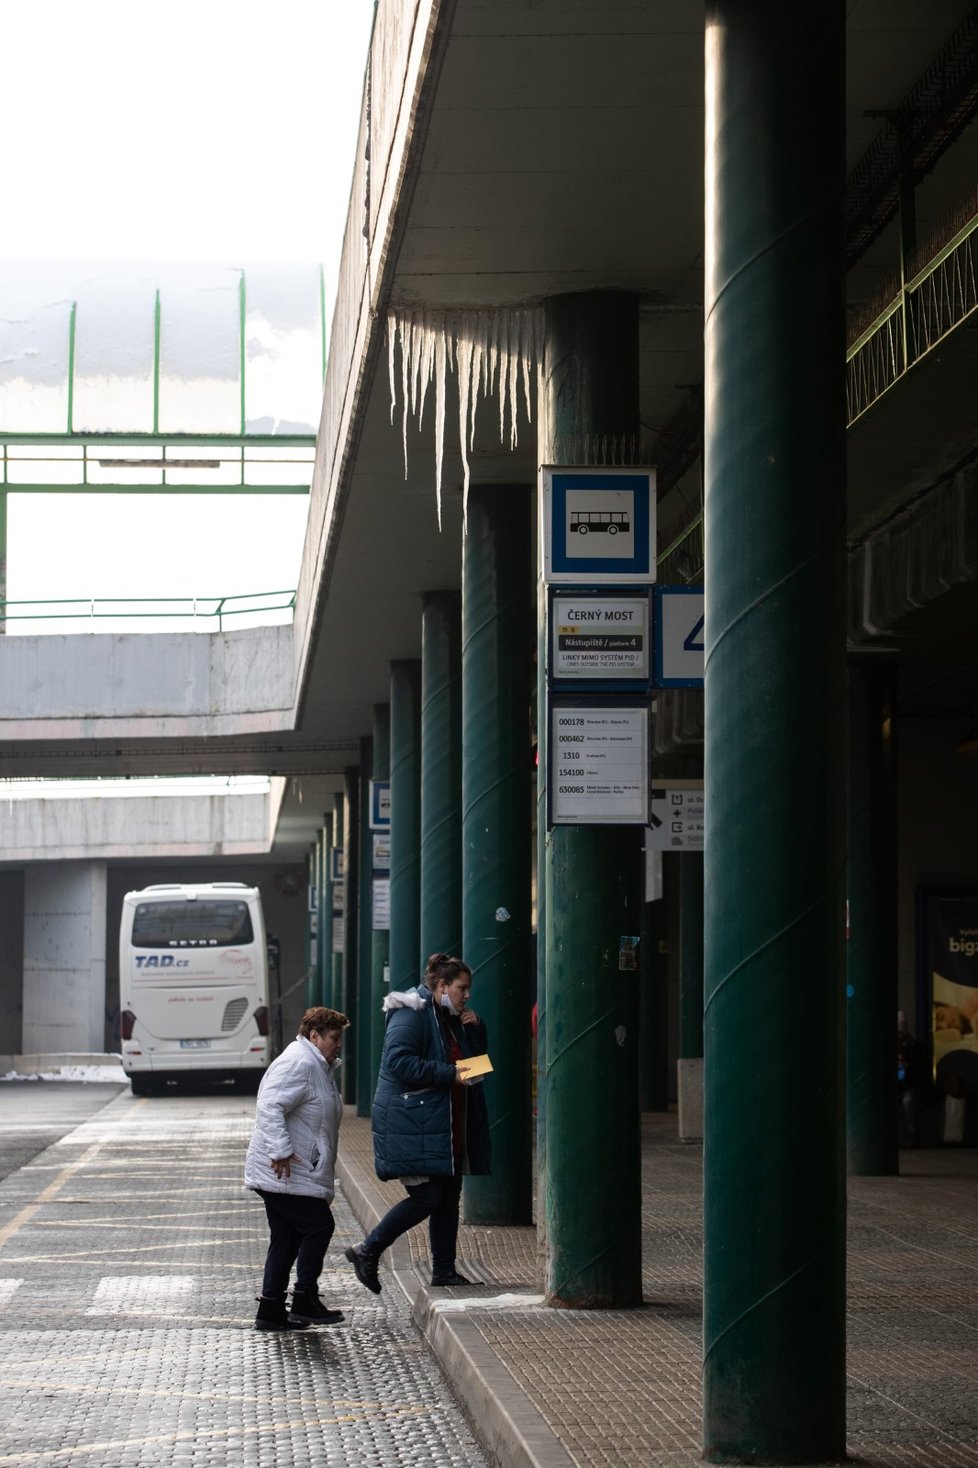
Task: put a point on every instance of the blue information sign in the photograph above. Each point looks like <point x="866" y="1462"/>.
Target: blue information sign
<point x="598" y="524"/>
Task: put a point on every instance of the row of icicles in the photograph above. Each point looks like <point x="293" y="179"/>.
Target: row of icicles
<point x="492" y="352"/>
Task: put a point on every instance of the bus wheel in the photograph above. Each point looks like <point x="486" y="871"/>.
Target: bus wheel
<point x="582" y="530"/>
<point x="612" y="529"/>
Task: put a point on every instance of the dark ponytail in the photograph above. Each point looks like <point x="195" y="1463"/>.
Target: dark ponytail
<point x="443" y="966"/>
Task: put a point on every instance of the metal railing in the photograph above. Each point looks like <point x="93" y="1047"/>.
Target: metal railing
<point x="938" y="299"/>
<point x="196" y="609"/>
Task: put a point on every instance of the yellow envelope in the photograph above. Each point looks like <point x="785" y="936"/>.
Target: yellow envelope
<point x="473" y="1065"/>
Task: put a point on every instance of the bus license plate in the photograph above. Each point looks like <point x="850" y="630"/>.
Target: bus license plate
<point x="195" y="1044"/>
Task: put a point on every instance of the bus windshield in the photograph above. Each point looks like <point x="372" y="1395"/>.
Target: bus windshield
<point x="202" y="923"/>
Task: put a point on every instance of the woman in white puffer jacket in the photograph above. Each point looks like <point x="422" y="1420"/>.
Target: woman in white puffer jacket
<point x="291" y="1162"/>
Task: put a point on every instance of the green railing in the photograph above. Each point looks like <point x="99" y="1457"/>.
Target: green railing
<point x="925" y="311"/>
<point x="196" y="609"/>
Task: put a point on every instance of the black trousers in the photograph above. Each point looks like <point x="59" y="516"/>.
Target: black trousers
<point x="437" y="1200"/>
<point x="300" y="1229"/>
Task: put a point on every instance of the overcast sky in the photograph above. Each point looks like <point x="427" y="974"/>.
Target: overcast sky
<point x="217" y="130"/>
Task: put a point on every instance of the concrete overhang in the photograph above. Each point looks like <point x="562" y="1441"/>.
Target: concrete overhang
<point x="515" y="151"/>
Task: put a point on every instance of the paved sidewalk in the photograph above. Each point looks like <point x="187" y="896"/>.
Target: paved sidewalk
<point x="556" y="1388"/>
<point x="130" y="1256"/>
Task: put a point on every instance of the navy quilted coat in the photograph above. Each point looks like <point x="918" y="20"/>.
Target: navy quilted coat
<point x="412" y="1111"/>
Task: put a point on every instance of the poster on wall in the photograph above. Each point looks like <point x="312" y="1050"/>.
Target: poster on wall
<point x="950" y="960"/>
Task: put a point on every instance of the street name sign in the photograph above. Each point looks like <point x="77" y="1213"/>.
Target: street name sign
<point x="676" y="817"/>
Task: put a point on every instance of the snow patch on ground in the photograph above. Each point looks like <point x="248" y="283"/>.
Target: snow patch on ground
<point x="104" y="1073"/>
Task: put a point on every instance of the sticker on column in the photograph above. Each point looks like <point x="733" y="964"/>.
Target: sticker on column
<point x="628" y="953"/>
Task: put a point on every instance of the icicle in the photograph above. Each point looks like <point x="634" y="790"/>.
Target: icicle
<point x="529" y="347"/>
<point x="391" y="338"/>
<point x="502" y="327"/>
<point x="440" y="363"/>
<point x="407" y="339"/>
<point x="464" y="352"/>
<point x="511" y="385"/>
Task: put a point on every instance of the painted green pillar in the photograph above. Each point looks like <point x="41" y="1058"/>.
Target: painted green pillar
<point x="441" y="775"/>
<point x="497" y="639"/>
<point x="351" y="926"/>
<point x="325" y="969"/>
<point x="405" y="930"/>
<point x="312" y="927"/>
<point x="871" y="991"/>
<point x="341" y="908"/>
<point x="589" y="405"/>
<point x="775" y="755"/>
<point x="689" y="1077"/>
<point x="361" y="1037"/>
<point x="379" y="937"/>
<point x="654" y="980"/>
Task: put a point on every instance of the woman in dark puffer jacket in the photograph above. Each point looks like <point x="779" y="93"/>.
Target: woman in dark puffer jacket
<point x="430" y="1128"/>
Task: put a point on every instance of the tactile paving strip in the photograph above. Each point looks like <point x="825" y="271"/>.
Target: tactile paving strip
<point x="129" y="1340"/>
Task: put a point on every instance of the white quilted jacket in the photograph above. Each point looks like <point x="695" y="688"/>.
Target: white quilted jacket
<point x="299" y="1110"/>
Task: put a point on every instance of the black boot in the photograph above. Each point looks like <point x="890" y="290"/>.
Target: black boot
<point x="449" y="1277"/>
<point x="365" y="1264"/>
<point x="272" y="1315"/>
<point x="308" y="1308"/>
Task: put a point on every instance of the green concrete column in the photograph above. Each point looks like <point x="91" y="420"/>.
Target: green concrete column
<point x="593" y="894"/>
<point x="497" y="638"/>
<point x="380" y="937"/>
<point x="405" y="930"/>
<point x="337" y="994"/>
<point x="361" y="1037"/>
<point x="325" y="975"/>
<point x="351" y="926"/>
<point x="689" y="1068"/>
<point x="441" y="775"/>
<point x="871" y="991"/>
<point x="775" y="757"/>
<point x="312" y="941"/>
<point x="653" y="979"/>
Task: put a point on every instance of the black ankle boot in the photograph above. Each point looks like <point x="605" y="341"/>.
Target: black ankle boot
<point x="308" y="1307"/>
<point x="272" y="1315"/>
<point x="365" y="1265"/>
<point x="449" y="1277"/>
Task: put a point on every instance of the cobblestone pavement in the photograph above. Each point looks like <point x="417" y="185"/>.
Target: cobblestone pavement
<point x="622" y="1388"/>
<point x="130" y="1257"/>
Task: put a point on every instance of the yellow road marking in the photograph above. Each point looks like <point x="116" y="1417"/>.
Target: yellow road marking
<point x="134" y="1442"/>
<point x="53" y="1188"/>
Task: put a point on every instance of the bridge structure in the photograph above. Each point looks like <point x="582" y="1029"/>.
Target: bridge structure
<point x="535" y="281"/>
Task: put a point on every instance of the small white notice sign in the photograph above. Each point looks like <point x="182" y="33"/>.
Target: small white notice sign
<point x="676" y="817"/>
<point x="600" y="636"/>
<point x="598" y="765"/>
<point x="380" y="919"/>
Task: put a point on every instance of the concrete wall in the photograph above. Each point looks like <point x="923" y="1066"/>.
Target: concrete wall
<point x="11" y="961"/>
<point x="147" y="685"/>
<point x="85" y="827"/>
<point x="64" y="956"/>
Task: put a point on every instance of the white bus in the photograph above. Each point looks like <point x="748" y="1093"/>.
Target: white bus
<point x="193" y="985"/>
